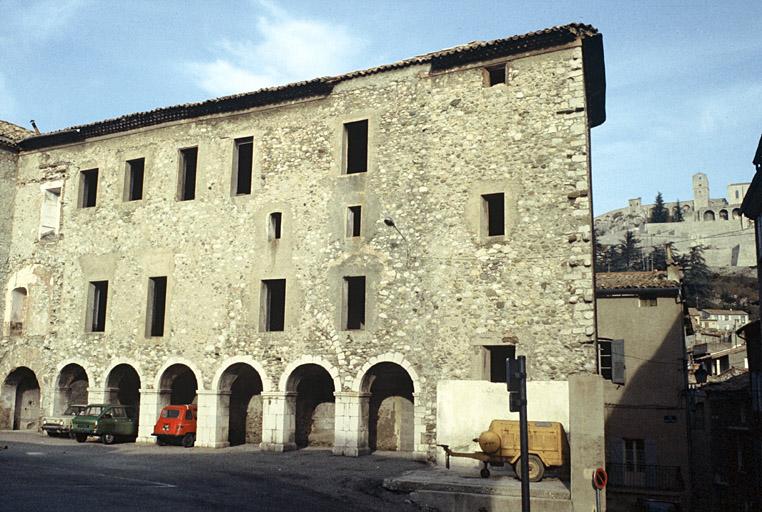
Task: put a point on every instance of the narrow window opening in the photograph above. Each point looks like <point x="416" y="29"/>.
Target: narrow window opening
<point x="494" y="213"/>
<point x="275" y="226"/>
<point x="497" y="357"/>
<point x="648" y="302"/>
<point x="354" y="307"/>
<point x="135" y="173"/>
<point x="98" y="297"/>
<point x="244" y="149"/>
<point x="187" y="181"/>
<point x="356" y="151"/>
<point x="157" y="305"/>
<point x="88" y="188"/>
<point x="604" y="358"/>
<point x="354" y="221"/>
<point x="274" y="301"/>
<point x="50" y="217"/>
<point x="18" y="310"/>
<point x="496" y="75"/>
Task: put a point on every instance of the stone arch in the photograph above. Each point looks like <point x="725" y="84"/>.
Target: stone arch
<point x="239" y="407"/>
<point x="708" y="215"/>
<point x="178" y="384"/>
<point x="260" y="369"/>
<point x="311" y="384"/>
<point x="122" y="384"/>
<point x="20" y="396"/>
<point x="283" y="383"/>
<point x="723" y="214"/>
<point x="122" y="361"/>
<point x="391" y="416"/>
<point x="736" y="213"/>
<point x="388" y="357"/>
<point x="72" y="383"/>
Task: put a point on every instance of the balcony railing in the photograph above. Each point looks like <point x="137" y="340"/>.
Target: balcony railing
<point x="634" y="476"/>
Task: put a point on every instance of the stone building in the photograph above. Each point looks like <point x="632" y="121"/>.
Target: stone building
<point x="306" y="262"/>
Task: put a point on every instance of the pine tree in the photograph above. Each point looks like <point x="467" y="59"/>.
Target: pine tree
<point x="659" y="258"/>
<point x="678" y="215"/>
<point x="659" y="213"/>
<point x="696" y="277"/>
<point x="629" y="254"/>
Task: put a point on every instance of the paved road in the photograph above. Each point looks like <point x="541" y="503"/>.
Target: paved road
<point x="46" y="474"/>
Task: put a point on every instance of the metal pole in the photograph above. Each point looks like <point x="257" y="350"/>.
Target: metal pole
<point x="524" y="434"/>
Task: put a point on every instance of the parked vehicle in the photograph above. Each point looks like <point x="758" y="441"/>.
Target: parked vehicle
<point x="107" y="421"/>
<point x="500" y="444"/>
<point x="176" y="423"/>
<point x="60" y="425"/>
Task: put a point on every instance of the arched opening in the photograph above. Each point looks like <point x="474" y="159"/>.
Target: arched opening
<point x="20" y="404"/>
<point x="709" y="215"/>
<point x="244" y="403"/>
<point x="724" y="214"/>
<point x="390" y="414"/>
<point x="736" y="213"/>
<point x="18" y="310"/>
<point x="71" y="388"/>
<point x="123" y="383"/>
<point x="315" y="405"/>
<point x="179" y="383"/>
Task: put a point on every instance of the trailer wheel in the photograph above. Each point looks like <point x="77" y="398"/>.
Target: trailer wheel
<point x="484" y="473"/>
<point x="536" y="468"/>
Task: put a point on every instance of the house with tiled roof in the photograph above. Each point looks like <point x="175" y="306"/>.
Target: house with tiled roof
<point x="641" y="354"/>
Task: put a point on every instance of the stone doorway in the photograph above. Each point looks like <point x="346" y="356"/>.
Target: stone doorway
<point x="314" y="407"/>
<point x="20" y="404"/>
<point x="123" y="385"/>
<point x="391" y="408"/>
<point x="71" y="388"/>
<point x="241" y="401"/>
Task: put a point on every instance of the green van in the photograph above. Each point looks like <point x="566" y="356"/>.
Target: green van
<point x="107" y="421"/>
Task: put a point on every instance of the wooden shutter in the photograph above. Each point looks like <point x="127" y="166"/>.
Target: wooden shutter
<point x="617" y="362"/>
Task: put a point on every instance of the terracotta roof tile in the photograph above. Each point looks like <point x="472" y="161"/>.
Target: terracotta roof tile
<point x="652" y="280"/>
<point x="11" y="134"/>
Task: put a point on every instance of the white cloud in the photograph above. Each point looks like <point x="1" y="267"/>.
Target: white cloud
<point x="289" y="49"/>
<point x="42" y="20"/>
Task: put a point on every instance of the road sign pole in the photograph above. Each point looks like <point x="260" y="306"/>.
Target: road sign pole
<point x="524" y="433"/>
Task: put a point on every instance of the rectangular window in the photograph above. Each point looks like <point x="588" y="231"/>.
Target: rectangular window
<point x="135" y="173"/>
<point x="157" y="305"/>
<point x="497" y="357"/>
<point x="634" y="455"/>
<point x="354" y="303"/>
<point x="244" y="150"/>
<point x="273" y="311"/>
<point x="496" y="75"/>
<point x="604" y="358"/>
<point x="648" y="302"/>
<point x="356" y="147"/>
<point x="273" y="232"/>
<point x="96" y="311"/>
<point x="187" y="179"/>
<point x="354" y="221"/>
<point x="50" y="216"/>
<point x="88" y="188"/>
<point x="493" y="208"/>
<point x="611" y="360"/>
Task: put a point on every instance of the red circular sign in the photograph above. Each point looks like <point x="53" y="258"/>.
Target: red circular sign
<point x="600" y="478"/>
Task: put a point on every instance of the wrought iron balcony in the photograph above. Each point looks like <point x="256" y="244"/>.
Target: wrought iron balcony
<point x="640" y="476"/>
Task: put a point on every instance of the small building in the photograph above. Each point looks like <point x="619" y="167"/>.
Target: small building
<point x="642" y="356"/>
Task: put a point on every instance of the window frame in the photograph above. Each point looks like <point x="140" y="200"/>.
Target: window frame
<point x="182" y="174"/>
<point x="236" y="179"/>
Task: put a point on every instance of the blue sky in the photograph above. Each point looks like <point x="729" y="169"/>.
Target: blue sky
<point x="684" y="83"/>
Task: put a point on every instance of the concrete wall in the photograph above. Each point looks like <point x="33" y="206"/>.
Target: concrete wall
<point x="437" y="142"/>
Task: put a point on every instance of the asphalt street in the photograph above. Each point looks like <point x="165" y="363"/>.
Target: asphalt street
<point x="49" y="474"/>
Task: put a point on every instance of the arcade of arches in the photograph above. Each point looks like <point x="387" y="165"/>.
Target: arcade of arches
<point x="309" y="411"/>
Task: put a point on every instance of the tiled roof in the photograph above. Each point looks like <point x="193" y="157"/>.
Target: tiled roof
<point x="11" y="134"/>
<point x="441" y="60"/>
<point x="725" y="312"/>
<point x="652" y="280"/>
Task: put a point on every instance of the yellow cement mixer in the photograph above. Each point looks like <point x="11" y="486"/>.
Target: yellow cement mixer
<point x="501" y="444"/>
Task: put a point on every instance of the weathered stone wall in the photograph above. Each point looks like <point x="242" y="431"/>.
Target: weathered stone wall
<point x="8" y="164"/>
<point x="436" y="143"/>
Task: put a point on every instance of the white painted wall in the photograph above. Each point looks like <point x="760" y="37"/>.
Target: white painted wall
<point x="465" y="409"/>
